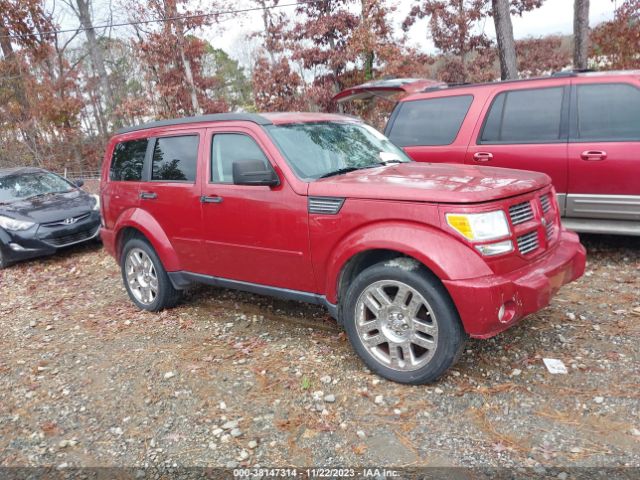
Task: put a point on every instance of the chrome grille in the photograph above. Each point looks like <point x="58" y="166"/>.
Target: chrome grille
<point x="545" y="201"/>
<point x="550" y="229"/>
<point x="521" y="212"/>
<point x="528" y="242"/>
<point x="325" y="205"/>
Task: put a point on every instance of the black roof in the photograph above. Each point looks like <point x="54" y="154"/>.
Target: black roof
<point x="214" y="117"/>
<point x="5" y="172"/>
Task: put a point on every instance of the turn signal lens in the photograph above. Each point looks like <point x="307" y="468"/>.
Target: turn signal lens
<point x="461" y="224"/>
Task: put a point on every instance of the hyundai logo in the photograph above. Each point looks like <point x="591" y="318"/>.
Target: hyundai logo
<point x="69" y="221"/>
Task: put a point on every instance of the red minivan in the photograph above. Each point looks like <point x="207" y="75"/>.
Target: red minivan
<point x="581" y="129"/>
<point x="410" y="257"/>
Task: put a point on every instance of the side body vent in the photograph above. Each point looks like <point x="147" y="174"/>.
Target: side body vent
<point x="325" y="205"/>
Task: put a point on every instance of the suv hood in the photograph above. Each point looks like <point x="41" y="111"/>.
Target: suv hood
<point x="429" y="182"/>
<point x="50" y="208"/>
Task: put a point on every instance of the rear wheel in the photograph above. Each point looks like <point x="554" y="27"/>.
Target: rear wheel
<point x="145" y="278"/>
<point x="402" y="322"/>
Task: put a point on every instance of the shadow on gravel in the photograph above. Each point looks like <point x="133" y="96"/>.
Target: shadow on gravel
<point x="609" y="243"/>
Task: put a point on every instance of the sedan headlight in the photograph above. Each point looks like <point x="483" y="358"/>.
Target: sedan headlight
<point x="96" y="207"/>
<point x="479" y="227"/>
<point x="15" y="225"/>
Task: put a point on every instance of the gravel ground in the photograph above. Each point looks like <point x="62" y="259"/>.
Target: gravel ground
<point x="232" y="379"/>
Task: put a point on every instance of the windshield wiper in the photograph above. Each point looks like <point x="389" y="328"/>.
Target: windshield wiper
<point x="342" y="171"/>
<point x="45" y="194"/>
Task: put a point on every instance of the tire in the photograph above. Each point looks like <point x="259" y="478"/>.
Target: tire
<point x="3" y="262"/>
<point x="146" y="281"/>
<point x="402" y="323"/>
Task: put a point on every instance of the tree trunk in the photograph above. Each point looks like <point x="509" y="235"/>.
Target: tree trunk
<point x="267" y="23"/>
<point x="95" y="53"/>
<point x="186" y="64"/>
<point x="171" y="11"/>
<point x="506" y="43"/>
<point x="369" y="55"/>
<point x="580" y="34"/>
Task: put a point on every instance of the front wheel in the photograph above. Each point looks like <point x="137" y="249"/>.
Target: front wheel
<point x="402" y="322"/>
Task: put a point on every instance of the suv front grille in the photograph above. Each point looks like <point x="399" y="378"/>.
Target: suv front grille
<point x="550" y="229"/>
<point x="521" y="212"/>
<point x="528" y="242"/>
<point x="545" y="202"/>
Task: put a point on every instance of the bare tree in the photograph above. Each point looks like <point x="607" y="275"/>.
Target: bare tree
<point x="580" y="34"/>
<point x="506" y="43"/>
<point x="171" y="11"/>
<point x="82" y="10"/>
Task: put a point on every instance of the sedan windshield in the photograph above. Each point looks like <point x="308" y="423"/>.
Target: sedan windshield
<point x="316" y="150"/>
<point x="26" y="185"/>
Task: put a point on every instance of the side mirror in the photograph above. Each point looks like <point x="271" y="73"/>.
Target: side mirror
<point x="78" y="183"/>
<point x="254" y="172"/>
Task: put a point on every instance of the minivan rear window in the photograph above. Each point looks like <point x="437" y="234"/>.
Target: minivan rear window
<point x="524" y="116"/>
<point x="430" y="122"/>
<point x="127" y="161"/>
<point x="175" y="159"/>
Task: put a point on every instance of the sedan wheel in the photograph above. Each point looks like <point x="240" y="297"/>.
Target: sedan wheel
<point x="141" y="276"/>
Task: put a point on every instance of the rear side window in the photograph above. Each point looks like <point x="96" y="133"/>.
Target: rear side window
<point x="524" y="116"/>
<point x="435" y="121"/>
<point x="608" y="112"/>
<point x="127" y="161"/>
<point x="230" y="148"/>
<point x="175" y="159"/>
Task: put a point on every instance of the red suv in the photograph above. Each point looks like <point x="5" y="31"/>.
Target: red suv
<point x="581" y="129"/>
<point x="321" y="208"/>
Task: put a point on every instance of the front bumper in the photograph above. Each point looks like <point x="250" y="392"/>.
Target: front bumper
<point x="43" y="240"/>
<point x="521" y="292"/>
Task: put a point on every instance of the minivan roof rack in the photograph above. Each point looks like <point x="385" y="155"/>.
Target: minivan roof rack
<point x="214" y="117"/>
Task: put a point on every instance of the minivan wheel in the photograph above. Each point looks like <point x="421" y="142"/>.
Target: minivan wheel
<point x="145" y="278"/>
<point x="402" y="322"/>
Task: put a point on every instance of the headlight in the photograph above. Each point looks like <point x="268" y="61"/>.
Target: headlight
<point x="479" y="226"/>
<point x="96" y="207"/>
<point x="12" y="224"/>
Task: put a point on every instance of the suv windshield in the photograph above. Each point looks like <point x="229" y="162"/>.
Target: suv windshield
<point x="316" y="150"/>
<point x="27" y="185"/>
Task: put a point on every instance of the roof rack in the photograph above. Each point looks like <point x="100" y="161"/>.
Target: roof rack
<point x="214" y="117"/>
<point x="572" y="73"/>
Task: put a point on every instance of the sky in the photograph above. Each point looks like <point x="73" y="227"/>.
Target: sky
<point x="554" y="17"/>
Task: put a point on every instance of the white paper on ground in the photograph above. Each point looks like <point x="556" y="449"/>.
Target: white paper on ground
<point x="555" y="366"/>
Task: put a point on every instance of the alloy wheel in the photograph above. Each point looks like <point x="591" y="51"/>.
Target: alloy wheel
<point x="396" y="325"/>
<point x="141" y="276"/>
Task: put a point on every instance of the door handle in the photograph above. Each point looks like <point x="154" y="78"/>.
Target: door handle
<point x="483" y="156"/>
<point x="214" y="199"/>
<point x="593" y="155"/>
<point x="148" y="195"/>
